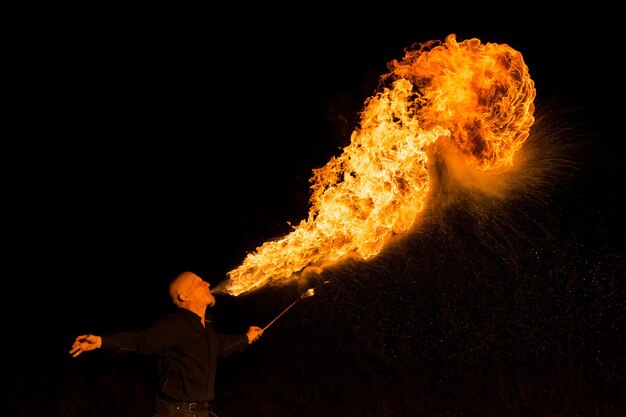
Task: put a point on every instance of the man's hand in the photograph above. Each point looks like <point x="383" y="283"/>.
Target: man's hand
<point x="254" y="332"/>
<point x="85" y="343"/>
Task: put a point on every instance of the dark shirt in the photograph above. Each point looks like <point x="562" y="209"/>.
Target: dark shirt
<point x="187" y="352"/>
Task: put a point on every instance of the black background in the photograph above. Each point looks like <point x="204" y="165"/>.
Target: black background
<point x="151" y="142"/>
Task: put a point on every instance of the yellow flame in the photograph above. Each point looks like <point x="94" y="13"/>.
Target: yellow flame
<point x="478" y="95"/>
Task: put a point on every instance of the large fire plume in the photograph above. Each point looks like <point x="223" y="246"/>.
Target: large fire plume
<point x="477" y="96"/>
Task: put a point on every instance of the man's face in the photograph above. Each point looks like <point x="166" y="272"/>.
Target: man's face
<point x="200" y="291"/>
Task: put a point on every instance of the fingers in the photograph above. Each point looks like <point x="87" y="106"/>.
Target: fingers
<point x="254" y="333"/>
<point x="257" y="332"/>
<point x="82" y="344"/>
<point x="76" y="350"/>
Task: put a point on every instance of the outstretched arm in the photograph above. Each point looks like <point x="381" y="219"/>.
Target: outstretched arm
<point x="85" y="343"/>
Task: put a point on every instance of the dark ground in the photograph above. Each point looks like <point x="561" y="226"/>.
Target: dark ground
<point x="148" y="145"/>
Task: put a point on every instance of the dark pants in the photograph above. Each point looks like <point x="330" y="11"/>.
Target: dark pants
<point x="168" y="408"/>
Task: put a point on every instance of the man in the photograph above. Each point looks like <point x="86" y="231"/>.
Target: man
<point x="187" y="346"/>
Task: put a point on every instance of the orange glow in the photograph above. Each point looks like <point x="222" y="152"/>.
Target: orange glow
<point x="477" y="96"/>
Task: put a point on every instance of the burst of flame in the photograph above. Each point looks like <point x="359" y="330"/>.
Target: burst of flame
<point x="478" y="95"/>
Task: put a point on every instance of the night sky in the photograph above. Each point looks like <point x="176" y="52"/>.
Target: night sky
<point x="157" y="145"/>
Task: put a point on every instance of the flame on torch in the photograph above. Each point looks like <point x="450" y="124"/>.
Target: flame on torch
<point x="477" y="96"/>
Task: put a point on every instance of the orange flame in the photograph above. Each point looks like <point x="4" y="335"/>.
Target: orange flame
<point x="480" y="96"/>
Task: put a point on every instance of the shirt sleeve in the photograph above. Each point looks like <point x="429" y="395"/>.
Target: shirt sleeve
<point x="154" y="338"/>
<point x="228" y="344"/>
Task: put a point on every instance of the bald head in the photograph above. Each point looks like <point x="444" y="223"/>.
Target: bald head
<point x="190" y="291"/>
<point x="180" y="284"/>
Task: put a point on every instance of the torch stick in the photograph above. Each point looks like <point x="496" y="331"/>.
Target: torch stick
<point x="309" y="293"/>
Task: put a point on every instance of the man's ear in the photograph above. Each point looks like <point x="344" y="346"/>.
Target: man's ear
<point x="182" y="298"/>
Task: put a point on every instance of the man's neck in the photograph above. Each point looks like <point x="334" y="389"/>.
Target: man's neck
<point x="200" y="312"/>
